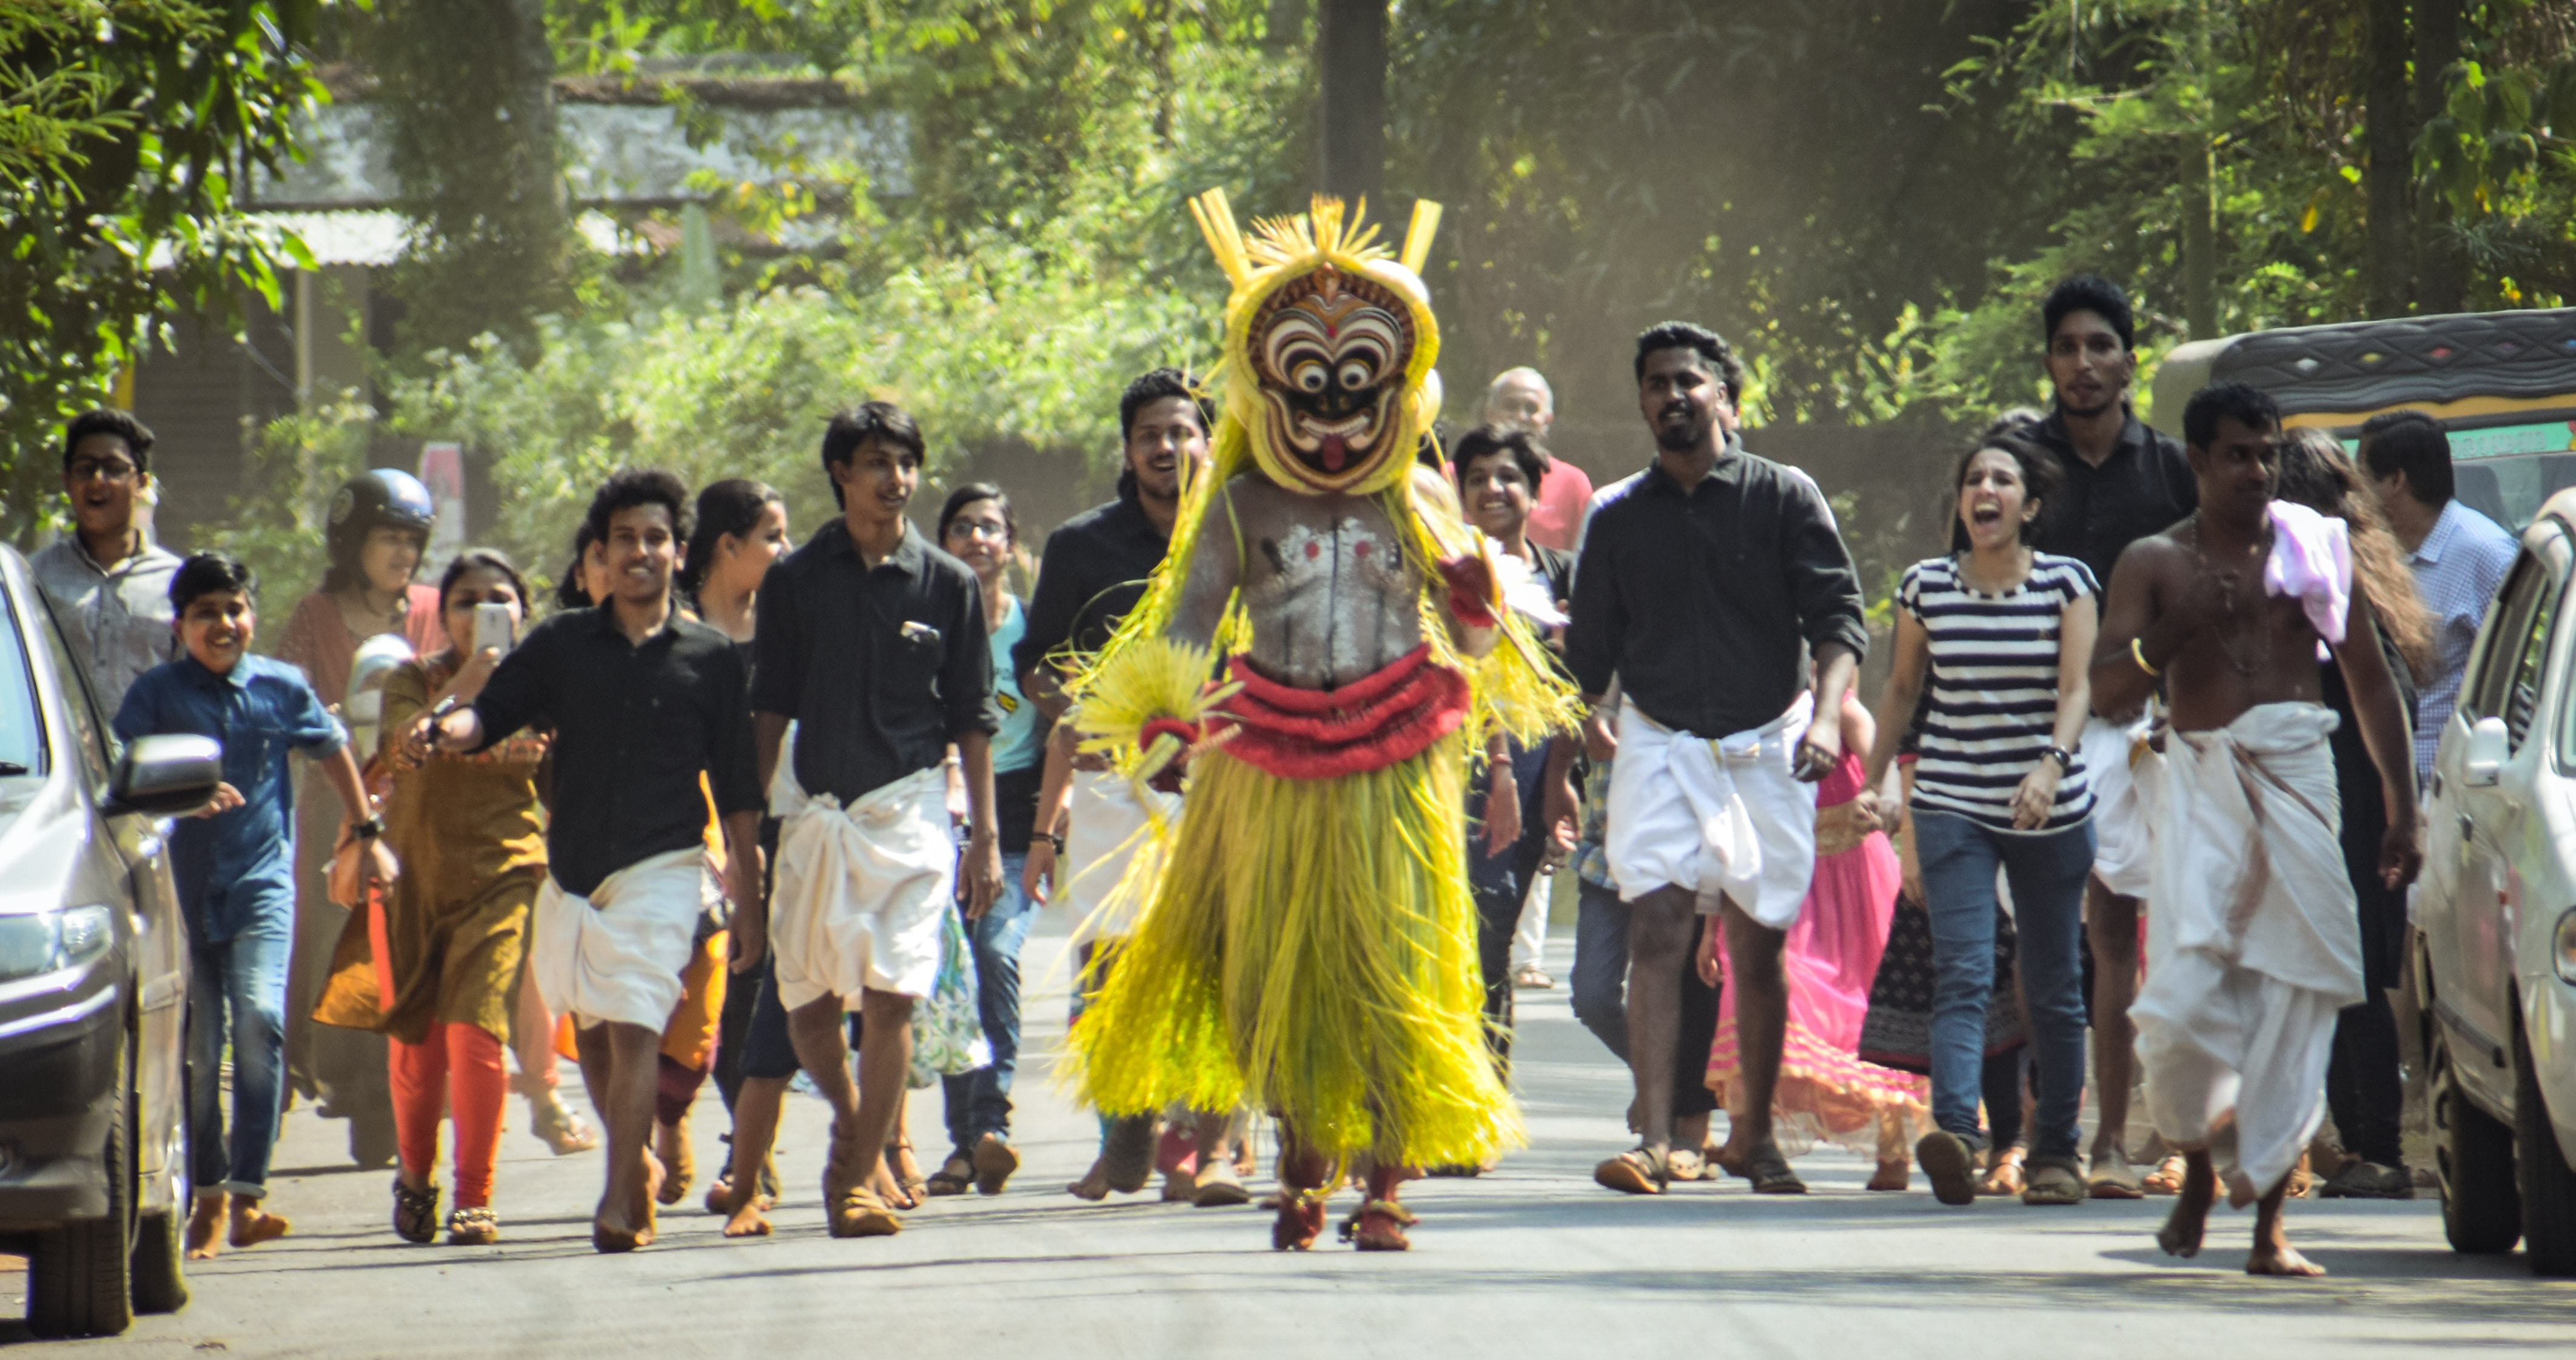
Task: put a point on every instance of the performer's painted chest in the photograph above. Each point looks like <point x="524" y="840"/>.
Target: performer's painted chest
<point x="1331" y="601"/>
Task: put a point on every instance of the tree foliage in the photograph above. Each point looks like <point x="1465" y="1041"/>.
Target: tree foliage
<point x="127" y="130"/>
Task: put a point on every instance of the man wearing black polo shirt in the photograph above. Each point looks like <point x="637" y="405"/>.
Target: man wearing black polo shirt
<point x="2124" y="482"/>
<point x="643" y="704"/>
<point x="1704" y="589"/>
<point x="873" y="642"/>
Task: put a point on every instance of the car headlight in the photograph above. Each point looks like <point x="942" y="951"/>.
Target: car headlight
<point x="50" y="941"/>
<point x="2563" y="950"/>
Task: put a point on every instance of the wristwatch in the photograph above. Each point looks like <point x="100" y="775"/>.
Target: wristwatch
<point x="2065" y="758"/>
<point x="369" y="829"/>
<point x="1053" y="842"/>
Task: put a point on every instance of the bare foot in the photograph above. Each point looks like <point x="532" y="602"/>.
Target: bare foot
<point x="1094" y="1185"/>
<point x="206" y="1228"/>
<point x="624" y="1227"/>
<point x="890" y="1189"/>
<point x="2184" y="1228"/>
<point x="251" y="1226"/>
<point x="741" y="1211"/>
<point x="2280" y="1258"/>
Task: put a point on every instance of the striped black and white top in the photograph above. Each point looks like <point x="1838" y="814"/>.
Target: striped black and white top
<point x="1990" y="706"/>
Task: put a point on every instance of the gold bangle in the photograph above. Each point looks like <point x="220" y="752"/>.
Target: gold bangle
<point x="2138" y="653"/>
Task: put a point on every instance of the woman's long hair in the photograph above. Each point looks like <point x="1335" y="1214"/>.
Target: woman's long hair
<point x="2316" y="473"/>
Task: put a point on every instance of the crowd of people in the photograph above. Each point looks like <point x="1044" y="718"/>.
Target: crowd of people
<point x="744" y="806"/>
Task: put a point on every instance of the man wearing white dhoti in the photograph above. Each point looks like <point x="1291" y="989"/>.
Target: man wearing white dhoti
<point x="1705" y="590"/>
<point x="2254" y="943"/>
<point x="874" y="643"/>
<point x="649" y="717"/>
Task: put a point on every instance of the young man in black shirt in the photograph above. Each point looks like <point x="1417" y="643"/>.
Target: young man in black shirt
<point x="1704" y="589"/>
<point x="643" y="703"/>
<point x="874" y="643"/>
<point x="1093" y="572"/>
<point x="2124" y="482"/>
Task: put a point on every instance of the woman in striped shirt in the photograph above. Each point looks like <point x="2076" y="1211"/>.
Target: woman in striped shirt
<point x="1996" y="638"/>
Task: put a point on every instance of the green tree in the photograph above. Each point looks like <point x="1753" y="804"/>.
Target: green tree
<point x="127" y="130"/>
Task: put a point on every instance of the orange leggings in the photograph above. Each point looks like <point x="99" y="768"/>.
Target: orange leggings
<point x="459" y="1069"/>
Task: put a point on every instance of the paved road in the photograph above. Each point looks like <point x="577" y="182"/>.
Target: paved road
<point x="1531" y="1261"/>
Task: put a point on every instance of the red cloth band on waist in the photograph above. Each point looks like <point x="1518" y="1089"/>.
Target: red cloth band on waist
<point x="1391" y="715"/>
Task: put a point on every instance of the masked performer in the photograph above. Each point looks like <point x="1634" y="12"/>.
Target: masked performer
<point x="1314" y="948"/>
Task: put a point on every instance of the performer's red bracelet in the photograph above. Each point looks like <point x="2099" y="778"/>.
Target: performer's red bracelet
<point x="1186" y="732"/>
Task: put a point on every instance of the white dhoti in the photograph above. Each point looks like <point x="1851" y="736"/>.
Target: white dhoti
<point x="616" y="955"/>
<point x="2117" y="768"/>
<point x="2253" y="940"/>
<point x="1724" y="819"/>
<point x="1108" y="831"/>
<point x="855" y="904"/>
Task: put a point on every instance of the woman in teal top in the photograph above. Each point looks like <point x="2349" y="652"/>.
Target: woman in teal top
<point x="977" y="528"/>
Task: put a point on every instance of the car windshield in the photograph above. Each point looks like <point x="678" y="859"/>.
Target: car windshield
<point x="22" y="740"/>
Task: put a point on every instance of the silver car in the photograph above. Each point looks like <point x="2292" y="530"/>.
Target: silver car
<point x="93" y="988"/>
<point x="2496" y="918"/>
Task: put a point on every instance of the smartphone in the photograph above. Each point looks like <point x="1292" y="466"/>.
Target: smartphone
<point x="492" y="627"/>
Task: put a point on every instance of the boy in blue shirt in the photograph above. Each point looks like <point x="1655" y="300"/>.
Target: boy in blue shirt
<point x="234" y="867"/>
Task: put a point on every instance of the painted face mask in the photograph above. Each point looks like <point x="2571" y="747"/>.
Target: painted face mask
<point x="1329" y="345"/>
<point x="1330" y="350"/>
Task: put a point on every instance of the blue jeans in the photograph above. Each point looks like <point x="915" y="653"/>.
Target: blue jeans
<point x="237" y="990"/>
<point x="979" y="1102"/>
<point x="2047" y="872"/>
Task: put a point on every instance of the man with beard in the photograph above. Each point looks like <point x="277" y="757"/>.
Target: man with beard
<point x="1092" y="574"/>
<point x="1716" y="563"/>
<point x="2124" y="481"/>
<point x="2252" y="946"/>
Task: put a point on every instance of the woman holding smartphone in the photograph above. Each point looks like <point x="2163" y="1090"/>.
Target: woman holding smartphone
<point x="436" y="965"/>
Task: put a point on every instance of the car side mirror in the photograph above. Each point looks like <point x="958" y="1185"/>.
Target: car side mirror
<point x="2484" y="761"/>
<point x="166" y="776"/>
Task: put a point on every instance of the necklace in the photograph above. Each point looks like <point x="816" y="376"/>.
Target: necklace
<point x="2232" y="633"/>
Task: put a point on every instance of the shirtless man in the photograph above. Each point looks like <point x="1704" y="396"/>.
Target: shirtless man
<point x="2253" y="945"/>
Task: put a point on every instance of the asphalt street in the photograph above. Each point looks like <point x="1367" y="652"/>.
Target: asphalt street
<point x="1532" y="1260"/>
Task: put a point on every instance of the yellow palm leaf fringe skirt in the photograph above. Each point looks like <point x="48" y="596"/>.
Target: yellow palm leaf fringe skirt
<point x="1310" y="948"/>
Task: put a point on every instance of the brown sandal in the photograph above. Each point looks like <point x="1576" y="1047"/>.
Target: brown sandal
<point x="1381" y="1227"/>
<point x="1638" y="1171"/>
<point x="1300" y="1221"/>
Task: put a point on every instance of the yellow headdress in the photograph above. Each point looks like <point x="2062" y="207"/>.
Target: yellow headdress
<point x="1329" y="340"/>
<point x="1327" y="336"/>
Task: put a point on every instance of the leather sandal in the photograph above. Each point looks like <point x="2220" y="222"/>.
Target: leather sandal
<point x="994" y="1161"/>
<point x="1381" y="1227"/>
<point x="954" y="1176"/>
<point x="1770" y="1174"/>
<point x="1638" y="1171"/>
<point x="1300" y="1220"/>
<point x="475" y="1227"/>
<point x="416" y="1212"/>
<point x="861" y="1213"/>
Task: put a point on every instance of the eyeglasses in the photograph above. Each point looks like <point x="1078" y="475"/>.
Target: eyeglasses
<point x="967" y="528"/>
<point x="117" y="470"/>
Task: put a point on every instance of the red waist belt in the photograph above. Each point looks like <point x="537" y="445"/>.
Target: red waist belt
<point x="1369" y="724"/>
